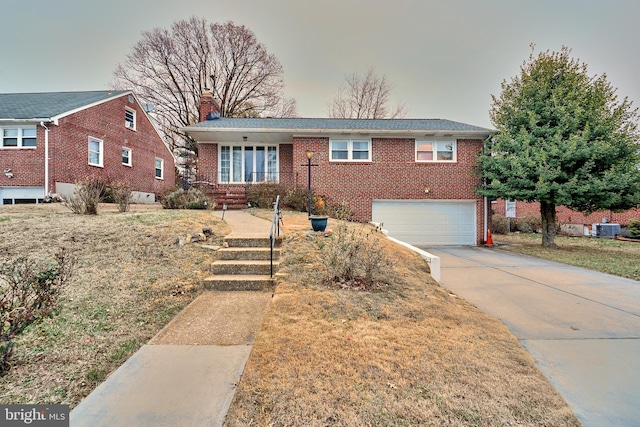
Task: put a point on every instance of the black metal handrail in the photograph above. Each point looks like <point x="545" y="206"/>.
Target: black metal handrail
<point x="275" y="228"/>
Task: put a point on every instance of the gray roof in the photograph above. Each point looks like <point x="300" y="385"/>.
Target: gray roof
<point x="49" y="104"/>
<point x="308" y="124"/>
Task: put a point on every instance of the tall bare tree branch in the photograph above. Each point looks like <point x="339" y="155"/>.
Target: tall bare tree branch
<point x="171" y="68"/>
<point x="364" y="96"/>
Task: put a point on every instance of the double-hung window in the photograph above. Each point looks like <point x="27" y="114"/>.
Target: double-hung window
<point x="18" y="137"/>
<point x="126" y="156"/>
<point x="436" y="151"/>
<point x="130" y="118"/>
<point x="159" y="168"/>
<point x="96" y="153"/>
<point x="350" y="150"/>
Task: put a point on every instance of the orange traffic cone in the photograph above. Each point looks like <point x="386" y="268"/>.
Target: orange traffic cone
<point x="489" y="241"/>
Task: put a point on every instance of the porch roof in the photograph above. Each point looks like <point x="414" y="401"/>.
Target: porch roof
<point x="284" y="129"/>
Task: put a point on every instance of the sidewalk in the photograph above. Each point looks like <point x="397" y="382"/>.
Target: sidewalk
<point x="186" y="375"/>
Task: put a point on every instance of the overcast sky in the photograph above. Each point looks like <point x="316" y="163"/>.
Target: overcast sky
<point x="443" y="58"/>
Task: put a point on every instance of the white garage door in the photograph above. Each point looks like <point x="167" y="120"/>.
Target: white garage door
<point x="422" y="222"/>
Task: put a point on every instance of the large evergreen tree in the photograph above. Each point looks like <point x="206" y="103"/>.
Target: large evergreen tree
<point x="562" y="138"/>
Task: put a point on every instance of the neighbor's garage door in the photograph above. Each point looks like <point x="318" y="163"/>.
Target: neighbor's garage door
<point x="420" y="222"/>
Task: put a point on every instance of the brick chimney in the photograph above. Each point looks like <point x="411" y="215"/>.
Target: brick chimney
<point x="208" y="106"/>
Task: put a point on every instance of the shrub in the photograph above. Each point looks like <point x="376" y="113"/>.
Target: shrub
<point x="498" y="224"/>
<point x="340" y="211"/>
<point x="634" y="228"/>
<point x="353" y="259"/>
<point x="264" y="195"/>
<point x="88" y="193"/>
<point x="296" y="199"/>
<point x="28" y="292"/>
<point x="528" y="224"/>
<point x="121" y="194"/>
<point x="180" y="199"/>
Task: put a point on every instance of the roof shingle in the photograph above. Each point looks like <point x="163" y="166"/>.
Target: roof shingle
<point x="48" y="104"/>
<point x="338" y="124"/>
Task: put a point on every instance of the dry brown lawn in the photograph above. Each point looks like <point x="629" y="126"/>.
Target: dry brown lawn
<point x="131" y="278"/>
<point x="617" y="257"/>
<point x="408" y="354"/>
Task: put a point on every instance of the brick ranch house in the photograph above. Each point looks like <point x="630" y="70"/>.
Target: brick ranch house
<point x="49" y="141"/>
<point x="417" y="177"/>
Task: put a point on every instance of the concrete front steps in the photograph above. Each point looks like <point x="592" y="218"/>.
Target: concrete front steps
<point x="244" y="265"/>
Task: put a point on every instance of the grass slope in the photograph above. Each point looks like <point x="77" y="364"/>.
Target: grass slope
<point x="131" y="278"/>
<point x="404" y="355"/>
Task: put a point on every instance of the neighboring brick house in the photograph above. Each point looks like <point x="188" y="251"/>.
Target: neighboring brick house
<point x="49" y="141"/>
<point x="565" y="215"/>
<point x="417" y="177"/>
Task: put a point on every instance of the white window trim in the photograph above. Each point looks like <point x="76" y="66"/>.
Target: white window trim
<point x="19" y="138"/>
<point x="155" y="168"/>
<point x="100" y="163"/>
<point x="266" y="147"/>
<point x="350" y="142"/>
<point x="130" y="164"/>
<point x="128" y="124"/>
<point x="434" y="142"/>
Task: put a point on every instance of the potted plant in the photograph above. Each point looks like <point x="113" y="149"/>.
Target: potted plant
<point x="318" y="222"/>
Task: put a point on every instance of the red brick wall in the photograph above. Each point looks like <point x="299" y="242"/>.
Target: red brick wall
<point x="568" y="216"/>
<point x="68" y="145"/>
<point x="27" y="164"/>
<point x="393" y="173"/>
<point x="287" y="175"/>
<point x="208" y="163"/>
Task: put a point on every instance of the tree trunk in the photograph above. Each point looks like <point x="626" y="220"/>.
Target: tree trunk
<point x="548" y="215"/>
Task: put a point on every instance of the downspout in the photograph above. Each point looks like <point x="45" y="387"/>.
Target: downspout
<point x="46" y="159"/>
<point x="486" y="203"/>
<point x="486" y="213"/>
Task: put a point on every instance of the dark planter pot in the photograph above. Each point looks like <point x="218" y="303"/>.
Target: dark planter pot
<point x="319" y="223"/>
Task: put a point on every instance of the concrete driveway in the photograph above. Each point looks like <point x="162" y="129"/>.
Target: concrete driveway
<point x="581" y="327"/>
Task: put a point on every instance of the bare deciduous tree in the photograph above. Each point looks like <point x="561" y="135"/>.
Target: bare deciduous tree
<point x="364" y="96"/>
<point x="171" y="68"/>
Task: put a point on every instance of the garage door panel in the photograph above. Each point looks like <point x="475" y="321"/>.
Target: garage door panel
<point x="428" y="222"/>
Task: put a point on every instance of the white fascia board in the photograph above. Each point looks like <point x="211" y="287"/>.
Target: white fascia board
<point x="388" y="133"/>
<point x="33" y="120"/>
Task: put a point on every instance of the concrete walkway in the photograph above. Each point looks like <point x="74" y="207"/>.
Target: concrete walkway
<point x="186" y="375"/>
<point x="581" y="327"/>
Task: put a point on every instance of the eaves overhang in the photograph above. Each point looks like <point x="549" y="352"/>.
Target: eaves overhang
<point x="205" y="135"/>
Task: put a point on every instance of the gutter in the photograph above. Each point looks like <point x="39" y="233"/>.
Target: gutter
<point x="328" y="131"/>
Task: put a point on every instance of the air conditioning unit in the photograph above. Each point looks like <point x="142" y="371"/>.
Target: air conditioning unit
<point x="606" y="230"/>
<point x="128" y="125"/>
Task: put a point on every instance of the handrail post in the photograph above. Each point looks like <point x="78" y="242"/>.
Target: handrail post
<point x="275" y="226"/>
